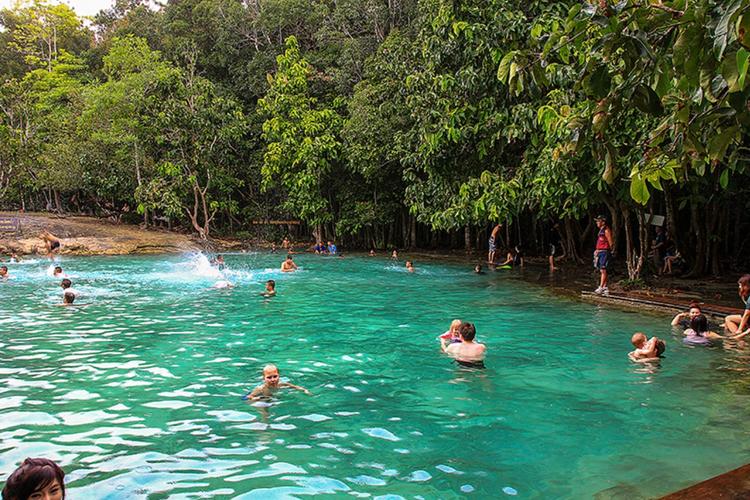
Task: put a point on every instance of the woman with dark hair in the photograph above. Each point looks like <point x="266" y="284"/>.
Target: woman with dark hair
<point x="35" y="479"/>
<point x="698" y="333"/>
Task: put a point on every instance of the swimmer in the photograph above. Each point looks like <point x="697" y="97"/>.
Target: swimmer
<point x="4" y="272"/>
<point x="218" y="262"/>
<point x="467" y="352"/>
<point x="288" y="266"/>
<point x="372" y="252"/>
<point x="683" y="319"/>
<point x="14" y="258"/>
<point x="36" y="478"/>
<point x="66" y="285"/>
<point x="51" y="242"/>
<point x="270" y="289"/>
<point x="454" y="332"/>
<point x="698" y="333"/>
<point x="478" y="269"/>
<point x="646" y="351"/>
<point x="273" y="248"/>
<point x="223" y="284"/>
<point x="394" y="254"/>
<point x="58" y="273"/>
<point x="271" y="383"/>
<point x="68" y="299"/>
<point x="409" y="266"/>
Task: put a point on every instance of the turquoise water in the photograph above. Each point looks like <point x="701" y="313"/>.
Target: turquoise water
<point x="138" y="394"/>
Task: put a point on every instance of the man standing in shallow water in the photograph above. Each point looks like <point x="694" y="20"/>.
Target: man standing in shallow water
<point x="467" y="352"/>
<point x="271" y="384"/>
<point x="288" y="265"/>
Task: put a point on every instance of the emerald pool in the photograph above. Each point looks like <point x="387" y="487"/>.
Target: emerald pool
<point x="138" y="394"/>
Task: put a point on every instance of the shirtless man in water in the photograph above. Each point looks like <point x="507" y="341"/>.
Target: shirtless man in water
<point x="271" y="384"/>
<point x="288" y="265"/>
<point x="467" y="352"/>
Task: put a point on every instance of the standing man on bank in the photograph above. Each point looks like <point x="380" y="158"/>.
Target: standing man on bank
<point x="493" y="243"/>
<point x="603" y="253"/>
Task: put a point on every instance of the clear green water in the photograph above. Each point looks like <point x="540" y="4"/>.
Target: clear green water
<point x="139" y="394"/>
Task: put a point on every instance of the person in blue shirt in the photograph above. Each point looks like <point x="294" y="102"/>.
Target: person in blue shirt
<point x="332" y="248"/>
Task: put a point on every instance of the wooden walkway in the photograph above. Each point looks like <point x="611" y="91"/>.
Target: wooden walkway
<point x="658" y="304"/>
<point x="732" y="485"/>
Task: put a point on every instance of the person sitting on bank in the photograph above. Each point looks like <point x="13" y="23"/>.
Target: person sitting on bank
<point x="683" y="319"/>
<point x="735" y="323"/>
<point x="51" y="243"/>
<point x="332" y="248"/>
<point x="288" y="265"/>
<point x="35" y="478"/>
<point x="467" y="352"/>
<point x="646" y="350"/>
<point x="319" y="248"/>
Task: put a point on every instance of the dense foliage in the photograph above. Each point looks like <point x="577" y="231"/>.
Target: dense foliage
<point x="388" y="122"/>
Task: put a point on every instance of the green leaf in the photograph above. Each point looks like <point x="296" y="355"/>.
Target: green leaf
<point x="718" y="144"/>
<point x="724" y="179"/>
<point x="504" y="69"/>
<point x="598" y="83"/>
<point x="646" y="100"/>
<point x="639" y="190"/>
<point x="721" y="32"/>
<point x="742" y="64"/>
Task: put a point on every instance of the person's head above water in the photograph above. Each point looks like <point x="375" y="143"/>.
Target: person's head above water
<point x="695" y="309"/>
<point x="69" y="298"/>
<point x="289" y="257"/>
<point x="35" y="478"/>
<point x="58" y="270"/>
<point x="455" y="327"/>
<point x="270" y="285"/>
<point x="468" y="332"/>
<point x="3" y="271"/>
<point x="66" y="283"/>
<point x="638" y="339"/>
<point x="478" y="268"/>
<point x="699" y="323"/>
<point x="271" y="375"/>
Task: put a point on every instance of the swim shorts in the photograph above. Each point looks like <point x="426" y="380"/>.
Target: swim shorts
<point x="602" y="259"/>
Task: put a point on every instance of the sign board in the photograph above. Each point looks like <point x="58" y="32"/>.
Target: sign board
<point x="276" y="222"/>
<point x="10" y="225"/>
<point x="656" y="220"/>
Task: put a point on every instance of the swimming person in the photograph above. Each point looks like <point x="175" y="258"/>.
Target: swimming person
<point x="271" y="384"/>
<point x="288" y="265"/>
<point x="603" y="253"/>
<point x="372" y="252"/>
<point x="698" y="333"/>
<point x="66" y="285"/>
<point x="394" y="254"/>
<point x="478" y="269"/>
<point x="14" y="258"/>
<point x="409" y="266"/>
<point x="683" y="319"/>
<point x="57" y="272"/>
<point x="35" y="479"/>
<point x="646" y="350"/>
<point x="4" y="272"/>
<point x="68" y="299"/>
<point x="51" y="242"/>
<point x="454" y="332"/>
<point x="270" y="289"/>
<point x="735" y="323"/>
<point x="218" y="262"/>
<point x="493" y="243"/>
<point x="223" y="284"/>
<point x="467" y="352"/>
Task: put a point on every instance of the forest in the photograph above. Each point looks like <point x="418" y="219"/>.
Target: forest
<point x="389" y="123"/>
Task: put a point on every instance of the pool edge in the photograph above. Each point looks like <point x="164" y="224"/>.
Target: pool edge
<point x="734" y="484"/>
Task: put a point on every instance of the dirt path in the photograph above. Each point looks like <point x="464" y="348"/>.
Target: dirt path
<point x="90" y="236"/>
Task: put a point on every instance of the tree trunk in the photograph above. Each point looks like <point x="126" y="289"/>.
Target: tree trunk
<point x="467" y="239"/>
<point x="413" y="232"/>
<point x="699" y="258"/>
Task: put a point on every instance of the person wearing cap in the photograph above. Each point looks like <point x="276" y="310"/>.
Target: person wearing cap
<point x="603" y="253"/>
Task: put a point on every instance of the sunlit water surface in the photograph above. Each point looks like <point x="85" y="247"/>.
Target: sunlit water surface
<point x="139" y="393"/>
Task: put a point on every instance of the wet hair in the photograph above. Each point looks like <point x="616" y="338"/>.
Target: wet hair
<point x="699" y="324"/>
<point x="58" y="269"/>
<point x="4" y="268"/>
<point x="661" y="346"/>
<point x="272" y="283"/>
<point x="695" y="305"/>
<point x="408" y="262"/>
<point x="66" y="283"/>
<point x="69" y="298"/>
<point x="468" y="332"/>
<point x="289" y="256"/>
<point x="32" y="475"/>
<point x="744" y="280"/>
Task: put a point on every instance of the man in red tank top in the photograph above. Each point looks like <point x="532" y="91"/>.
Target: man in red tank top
<point x="603" y="253"/>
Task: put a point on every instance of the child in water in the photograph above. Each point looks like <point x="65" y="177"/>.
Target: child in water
<point x="271" y="384"/>
<point x="270" y="289"/>
<point x="4" y="272"/>
<point x="454" y="332"/>
<point x="650" y="350"/>
<point x="409" y="266"/>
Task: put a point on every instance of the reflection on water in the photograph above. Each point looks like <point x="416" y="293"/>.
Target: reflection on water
<point x="139" y="394"/>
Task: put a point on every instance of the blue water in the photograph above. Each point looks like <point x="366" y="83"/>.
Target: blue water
<point x="138" y="393"/>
